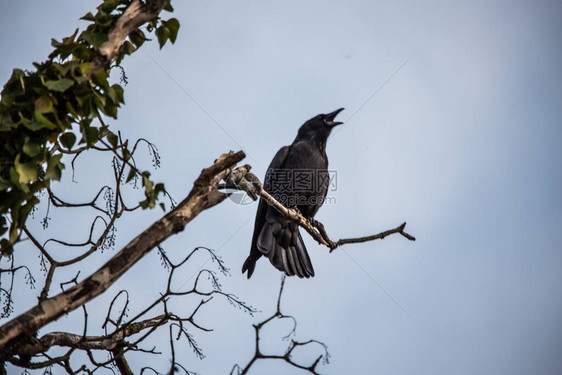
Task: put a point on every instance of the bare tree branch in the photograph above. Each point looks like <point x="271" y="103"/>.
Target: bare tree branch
<point x="108" y="342"/>
<point x="242" y="179"/>
<point x="203" y="196"/>
<point x="288" y="355"/>
<point x="121" y="362"/>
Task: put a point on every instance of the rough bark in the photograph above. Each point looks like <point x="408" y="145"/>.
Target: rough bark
<point x="134" y="16"/>
<point x="112" y="342"/>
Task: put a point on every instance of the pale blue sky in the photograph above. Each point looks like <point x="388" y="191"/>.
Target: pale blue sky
<point x="463" y="143"/>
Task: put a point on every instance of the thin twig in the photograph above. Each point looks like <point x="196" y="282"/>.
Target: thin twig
<point x="242" y="179"/>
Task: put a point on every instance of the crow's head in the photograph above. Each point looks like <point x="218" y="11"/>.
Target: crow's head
<point x="318" y="128"/>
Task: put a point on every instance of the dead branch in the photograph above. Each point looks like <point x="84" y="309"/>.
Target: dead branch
<point x="203" y="195"/>
<point x="287" y="356"/>
<point x="108" y="342"/>
<point x="118" y="342"/>
<point x="17" y="336"/>
<point x="121" y="362"/>
<point x="242" y="179"/>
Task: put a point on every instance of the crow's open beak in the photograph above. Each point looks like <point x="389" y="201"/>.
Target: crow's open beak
<point x="329" y="119"/>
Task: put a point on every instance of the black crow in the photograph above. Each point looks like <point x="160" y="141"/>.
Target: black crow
<point x="298" y="178"/>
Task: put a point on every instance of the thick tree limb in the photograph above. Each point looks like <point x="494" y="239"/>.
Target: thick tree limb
<point x="203" y="195"/>
<point x="242" y="179"/>
<point x="136" y="14"/>
<point x="110" y="342"/>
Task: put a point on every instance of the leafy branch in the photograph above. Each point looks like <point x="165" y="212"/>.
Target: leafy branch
<point x="57" y="109"/>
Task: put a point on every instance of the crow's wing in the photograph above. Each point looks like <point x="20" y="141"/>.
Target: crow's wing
<point x="275" y="236"/>
<point x="277" y="163"/>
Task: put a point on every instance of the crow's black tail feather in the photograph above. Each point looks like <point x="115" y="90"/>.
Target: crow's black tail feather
<point x="281" y="242"/>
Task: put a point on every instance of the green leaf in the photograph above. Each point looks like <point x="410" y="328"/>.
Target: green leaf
<point x="33" y="125"/>
<point x="108" y="6"/>
<point x="90" y="135"/>
<point x="129" y="47"/>
<point x="99" y="100"/>
<point x="173" y="25"/>
<point x="110" y="109"/>
<point x="144" y="204"/>
<point x="103" y="19"/>
<point x="25" y="210"/>
<point x="163" y="34"/>
<point x="100" y="78"/>
<point x="146" y="181"/>
<point x="65" y="48"/>
<point x="83" y="97"/>
<point x="61" y="85"/>
<point x="31" y="149"/>
<point x="4" y="185"/>
<point x="70" y="39"/>
<point x="68" y="140"/>
<point x="86" y="68"/>
<point x="118" y="92"/>
<point x="15" y="178"/>
<point x="6" y="247"/>
<point x="131" y="175"/>
<point x="13" y="233"/>
<point x="95" y="39"/>
<point x="81" y="52"/>
<point x="112" y="95"/>
<point x="88" y="17"/>
<point x="54" y="167"/>
<point x="6" y="121"/>
<point x="159" y="188"/>
<point x="43" y="120"/>
<point x="137" y="37"/>
<point x="126" y="154"/>
<point x="62" y="69"/>
<point x="44" y="104"/>
<point x="26" y="171"/>
<point x="16" y="84"/>
<point x="113" y="140"/>
<point x="71" y="109"/>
